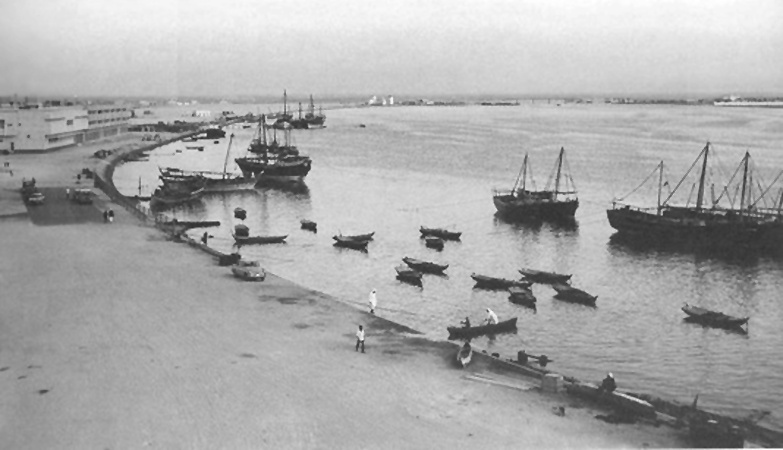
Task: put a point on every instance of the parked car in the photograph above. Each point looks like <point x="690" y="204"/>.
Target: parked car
<point x="36" y="198"/>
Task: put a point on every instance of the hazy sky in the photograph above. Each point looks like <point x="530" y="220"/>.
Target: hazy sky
<point x="334" y="47"/>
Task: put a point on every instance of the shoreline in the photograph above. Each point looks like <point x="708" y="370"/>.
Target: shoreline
<point x="393" y="342"/>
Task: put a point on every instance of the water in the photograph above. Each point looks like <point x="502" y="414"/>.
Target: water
<point x="436" y="166"/>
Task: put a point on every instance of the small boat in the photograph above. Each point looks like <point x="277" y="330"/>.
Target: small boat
<point x="425" y="266"/>
<point x="245" y="240"/>
<point x="464" y="354"/>
<point x="350" y="243"/>
<point x="358" y="237"/>
<point x="249" y="273"/>
<point x="441" y="233"/>
<point x="485" y="282"/>
<point x="470" y="332"/>
<point x="521" y="296"/>
<point x="408" y="275"/>
<point x="713" y="318"/>
<point x="168" y="195"/>
<point x="433" y="242"/>
<point x="242" y="237"/>
<point x="240" y="213"/>
<point x="195" y="147"/>
<point x="539" y="276"/>
<point x="309" y="225"/>
<point x="572" y="294"/>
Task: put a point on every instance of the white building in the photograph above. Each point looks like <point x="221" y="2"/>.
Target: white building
<point x="36" y="129"/>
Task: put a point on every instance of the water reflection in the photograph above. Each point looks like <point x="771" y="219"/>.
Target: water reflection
<point x="536" y="224"/>
<point x="741" y="256"/>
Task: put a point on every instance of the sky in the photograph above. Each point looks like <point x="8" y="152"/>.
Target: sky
<point x="176" y="48"/>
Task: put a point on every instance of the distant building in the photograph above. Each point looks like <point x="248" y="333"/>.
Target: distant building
<point x="34" y="129"/>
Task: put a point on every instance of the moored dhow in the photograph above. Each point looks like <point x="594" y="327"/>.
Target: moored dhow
<point x="752" y="223"/>
<point x="556" y="203"/>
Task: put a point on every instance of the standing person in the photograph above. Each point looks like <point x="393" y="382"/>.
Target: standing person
<point x="360" y="338"/>
<point x="608" y="385"/>
<point x="67" y="193"/>
<point x="373" y="301"/>
<point x="492" y="318"/>
<point x="204" y="238"/>
<point x="110" y="215"/>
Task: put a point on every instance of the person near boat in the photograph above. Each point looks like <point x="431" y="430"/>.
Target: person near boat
<point x="360" y="338"/>
<point x="608" y="385"/>
<point x="492" y="318"/>
<point x="466" y="323"/>
<point x="373" y="301"/>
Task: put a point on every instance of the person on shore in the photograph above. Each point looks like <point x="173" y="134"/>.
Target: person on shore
<point x="492" y="318"/>
<point x="67" y="193"/>
<point x="110" y="215"/>
<point x="608" y="385"/>
<point x="373" y="301"/>
<point x="466" y="323"/>
<point x="105" y="216"/>
<point x="204" y="238"/>
<point x="360" y="338"/>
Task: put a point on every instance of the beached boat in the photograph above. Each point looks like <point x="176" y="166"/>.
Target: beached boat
<point x="408" y="275"/>
<point x="556" y="202"/>
<point x="242" y="237"/>
<point x="464" y="355"/>
<point x="340" y="241"/>
<point x="521" y="296"/>
<point x="571" y="294"/>
<point x="539" y="276"/>
<point x="433" y="242"/>
<point x="706" y="224"/>
<point x="425" y="266"/>
<point x="249" y="273"/>
<point x="441" y="233"/>
<point x="713" y="318"/>
<point x="309" y="225"/>
<point x="486" y="282"/>
<point x="471" y="332"/>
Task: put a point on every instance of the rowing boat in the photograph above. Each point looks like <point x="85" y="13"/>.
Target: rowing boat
<point x="441" y="233"/>
<point x="540" y="276"/>
<point x="487" y="282"/>
<point x="713" y="318"/>
<point x="425" y="266"/>
<point x="571" y="294"/>
<point x="470" y="332"/>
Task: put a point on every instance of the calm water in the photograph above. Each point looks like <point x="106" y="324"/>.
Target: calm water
<point x="436" y="166"/>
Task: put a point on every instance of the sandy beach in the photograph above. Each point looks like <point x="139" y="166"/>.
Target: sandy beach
<point x="114" y="336"/>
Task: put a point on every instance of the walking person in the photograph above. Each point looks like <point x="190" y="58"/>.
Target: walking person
<point x="360" y="338"/>
<point x="373" y="301"/>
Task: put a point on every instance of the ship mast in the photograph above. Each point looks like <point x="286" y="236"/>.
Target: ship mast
<point x="228" y="151"/>
<point x="522" y="174"/>
<point x="744" y="183"/>
<point x="559" y="166"/>
<point x="700" y="196"/>
<point x="660" y="185"/>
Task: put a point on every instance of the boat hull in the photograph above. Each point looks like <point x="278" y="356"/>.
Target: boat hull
<point x="471" y="332"/>
<point x="521" y="209"/>
<point x="425" y="266"/>
<point x="485" y="282"/>
<point x="245" y="240"/>
<point x="538" y="276"/>
<point x="721" y="230"/>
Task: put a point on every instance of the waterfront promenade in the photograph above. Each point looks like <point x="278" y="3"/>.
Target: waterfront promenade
<point x="113" y="336"/>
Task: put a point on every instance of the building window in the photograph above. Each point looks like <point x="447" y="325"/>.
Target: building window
<point x="69" y="122"/>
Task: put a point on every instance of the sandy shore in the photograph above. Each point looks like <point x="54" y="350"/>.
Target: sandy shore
<point x="112" y="336"/>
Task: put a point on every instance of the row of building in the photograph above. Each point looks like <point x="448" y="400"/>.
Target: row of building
<point x="38" y="128"/>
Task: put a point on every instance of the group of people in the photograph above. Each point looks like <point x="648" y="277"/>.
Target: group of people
<point x="491" y="319"/>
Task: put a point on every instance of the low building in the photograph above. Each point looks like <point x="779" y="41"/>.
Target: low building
<point x="38" y="129"/>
